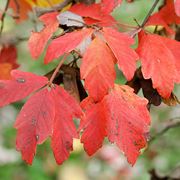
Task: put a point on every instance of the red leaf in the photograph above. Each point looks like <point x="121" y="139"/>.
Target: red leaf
<point x="66" y="43"/>
<point x="38" y="40"/>
<point x="109" y="5"/>
<point x="34" y="123"/>
<point x="9" y="55"/>
<point x="92" y="11"/>
<point x="120" y="45"/>
<point x="94" y="125"/>
<point x="160" y="62"/>
<point x="157" y="20"/>
<point x="163" y="18"/>
<point x="98" y="72"/>
<point x="164" y="12"/>
<point x="177" y="7"/>
<point x="127" y="120"/>
<point x="122" y="116"/>
<point x="64" y="128"/>
<point x="20" y="86"/>
<point x="95" y="14"/>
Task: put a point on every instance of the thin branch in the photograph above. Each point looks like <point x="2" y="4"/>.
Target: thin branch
<point x="171" y="123"/>
<point x="134" y="32"/>
<point x="3" y="16"/>
<point x="57" y="7"/>
<point x="57" y="69"/>
<point x="149" y="13"/>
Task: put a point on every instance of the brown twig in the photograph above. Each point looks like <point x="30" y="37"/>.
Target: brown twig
<point x="57" y="69"/>
<point x="171" y="123"/>
<point x="3" y="16"/>
<point x="141" y="26"/>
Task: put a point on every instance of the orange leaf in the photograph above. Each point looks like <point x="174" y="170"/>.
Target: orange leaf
<point x="120" y="44"/>
<point x="98" y="72"/>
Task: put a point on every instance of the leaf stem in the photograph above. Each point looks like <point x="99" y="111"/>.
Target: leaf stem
<point x="57" y="69"/>
<point x="3" y="16"/>
<point x="171" y="123"/>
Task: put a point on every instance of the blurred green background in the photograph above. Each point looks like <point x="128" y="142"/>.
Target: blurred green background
<point x="163" y="154"/>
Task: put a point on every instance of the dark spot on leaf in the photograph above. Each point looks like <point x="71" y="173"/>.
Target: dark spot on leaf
<point x="37" y="137"/>
<point x="68" y="146"/>
<point x="33" y="122"/>
<point x="21" y="80"/>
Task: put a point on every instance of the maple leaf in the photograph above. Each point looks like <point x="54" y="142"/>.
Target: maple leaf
<point x="177" y="7"/>
<point x="127" y="120"/>
<point x="8" y="58"/>
<point x="65" y="43"/>
<point x="98" y="72"/>
<point x="20" y="86"/>
<point x="122" y="116"/>
<point x="34" y="123"/>
<point x="38" y="40"/>
<point x="120" y="45"/>
<point x="162" y="66"/>
<point x="64" y="129"/>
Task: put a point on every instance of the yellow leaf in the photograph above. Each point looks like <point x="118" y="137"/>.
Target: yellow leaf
<point x="43" y="3"/>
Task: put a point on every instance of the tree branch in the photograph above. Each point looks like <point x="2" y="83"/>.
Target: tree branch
<point x="171" y="123"/>
<point x="134" y="32"/>
<point x="57" y="69"/>
<point x="3" y="16"/>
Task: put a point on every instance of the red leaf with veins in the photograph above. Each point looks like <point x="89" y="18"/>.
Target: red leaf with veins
<point x="64" y="129"/>
<point x="34" y="123"/>
<point x="98" y="69"/>
<point x="160" y="62"/>
<point x="127" y="120"/>
<point x="65" y="43"/>
<point x="120" y="45"/>
<point x="20" y="86"/>
<point x="122" y="116"/>
<point x="109" y="5"/>
<point x="94" y="126"/>
<point x="38" y="40"/>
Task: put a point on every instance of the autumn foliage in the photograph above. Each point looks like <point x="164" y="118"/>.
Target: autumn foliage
<point x="85" y="88"/>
